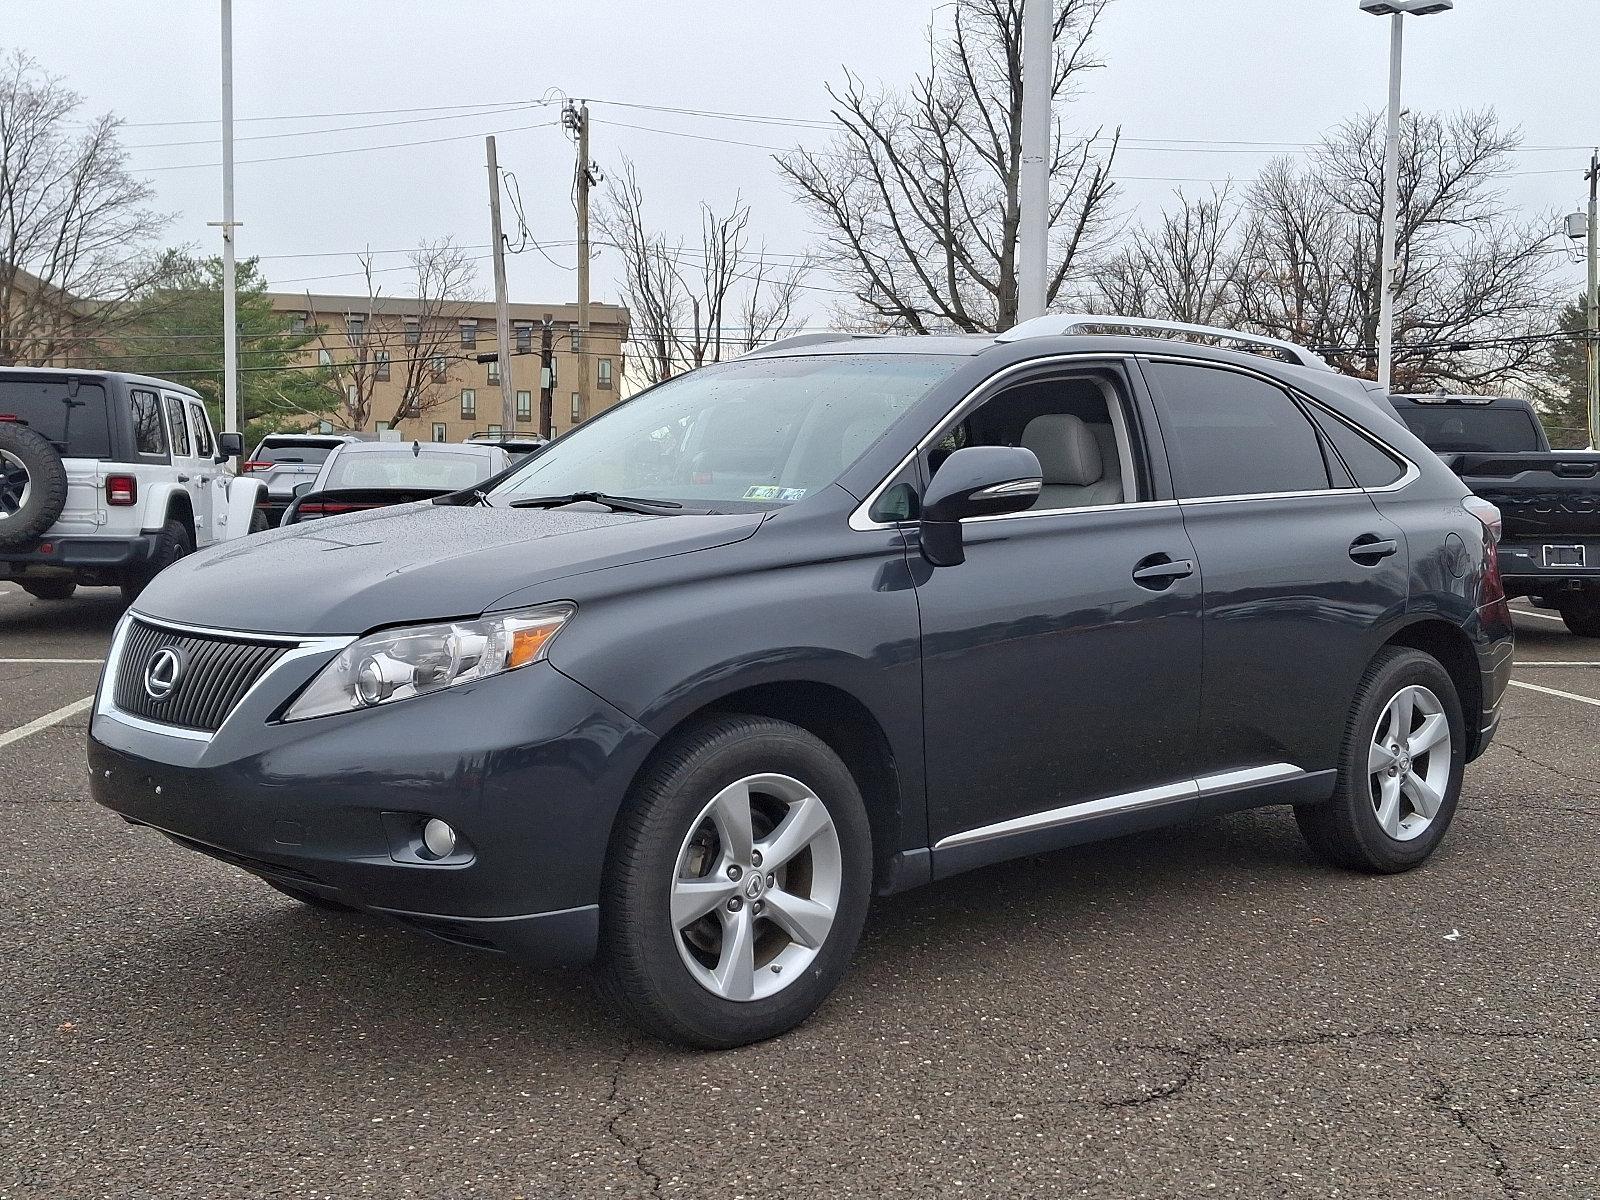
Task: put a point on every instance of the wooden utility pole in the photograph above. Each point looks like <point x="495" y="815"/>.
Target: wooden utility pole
<point x="502" y="303"/>
<point x="547" y="377"/>
<point x="1592" y="342"/>
<point x="577" y="120"/>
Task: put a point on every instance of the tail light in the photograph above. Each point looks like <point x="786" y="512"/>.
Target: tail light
<point x="1494" y="588"/>
<point x="255" y="465"/>
<point x="122" y="491"/>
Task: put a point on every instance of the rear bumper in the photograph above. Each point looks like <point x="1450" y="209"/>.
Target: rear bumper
<point x="1534" y="567"/>
<point x="75" y="553"/>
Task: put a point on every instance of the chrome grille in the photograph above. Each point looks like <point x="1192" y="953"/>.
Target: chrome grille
<point x="215" y="673"/>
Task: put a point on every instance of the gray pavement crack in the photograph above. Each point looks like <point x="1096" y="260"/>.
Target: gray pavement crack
<point x="1536" y="761"/>
<point x="1441" y="1098"/>
<point x="622" y="1108"/>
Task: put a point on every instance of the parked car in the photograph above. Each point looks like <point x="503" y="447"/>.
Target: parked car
<point x="942" y="602"/>
<point x="363" y="475"/>
<point x="282" y="461"/>
<point x="1550" y="499"/>
<point x="107" y="478"/>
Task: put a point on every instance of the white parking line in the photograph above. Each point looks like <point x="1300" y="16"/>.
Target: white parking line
<point x="1551" y="662"/>
<point x="97" y="661"/>
<point x="54" y="718"/>
<point x="1522" y="612"/>
<point x="1532" y="687"/>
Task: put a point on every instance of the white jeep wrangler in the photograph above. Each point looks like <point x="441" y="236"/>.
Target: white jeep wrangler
<point x="106" y="478"/>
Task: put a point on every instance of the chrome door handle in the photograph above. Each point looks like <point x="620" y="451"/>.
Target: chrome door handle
<point x="1367" y="549"/>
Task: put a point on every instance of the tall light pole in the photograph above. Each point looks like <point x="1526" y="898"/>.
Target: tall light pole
<point x="1396" y="11"/>
<point x="230" y="318"/>
<point x="1033" y="185"/>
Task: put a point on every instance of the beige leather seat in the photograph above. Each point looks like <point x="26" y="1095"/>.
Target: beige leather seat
<point x="1071" y="462"/>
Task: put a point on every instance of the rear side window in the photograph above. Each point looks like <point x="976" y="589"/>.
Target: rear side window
<point x="148" y="437"/>
<point x="1370" y="466"/>
<point x="69" y="414"/>
<point x="180" y="431"/>
<point x="1230" y="434"/>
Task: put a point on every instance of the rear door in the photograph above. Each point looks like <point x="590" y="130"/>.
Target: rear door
<point x="214" y="475"/>
<point x="1299" y="571"/>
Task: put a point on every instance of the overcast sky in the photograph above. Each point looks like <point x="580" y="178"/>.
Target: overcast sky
<point x="1244" y="70"/>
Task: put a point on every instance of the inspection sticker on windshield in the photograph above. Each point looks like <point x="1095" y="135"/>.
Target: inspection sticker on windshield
<point x="762" y="491"/>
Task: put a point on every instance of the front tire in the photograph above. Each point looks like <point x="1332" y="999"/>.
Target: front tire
<point x="50" y="589"/>
<point x="736" y="885"/>
<point x="172" y="543"/>
<point x="1399" y="768"/>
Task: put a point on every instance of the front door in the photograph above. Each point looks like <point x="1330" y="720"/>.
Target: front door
<point x="1300" y="570"/>
<point x="194" y="468"/>
<point x="1061" y="661"/>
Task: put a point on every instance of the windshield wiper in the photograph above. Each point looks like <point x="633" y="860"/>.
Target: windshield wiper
<point x="633" y="504"/>
<point x="465" y="499"/>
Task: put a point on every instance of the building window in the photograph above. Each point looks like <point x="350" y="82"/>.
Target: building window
<point x="438" y="431"/>
<point x="413" y="409"/>
<point x="576" y="416"/>
<point x="605" y="373"/>
<point x="413" y="331"/>
<point x="355" y="327"/>
<point x="469" y="404"/>
<point x="383" y="427"/>
<point x="495" y="430"/>
<point x="324" y="359"/>
<point x="469" y="334"/>
<point x="577" y="340"/>
<point x="494" y="370"/>
<point x="524" y="339"/>
<point x="352" y="397"/>
<point x="297" y="322"/>
<point x="380" y="369"/>
<point x="440" y="367"/>
<point x="524" y="406"/>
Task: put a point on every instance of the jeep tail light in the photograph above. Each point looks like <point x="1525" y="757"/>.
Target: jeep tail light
<point x="122" y="491"/>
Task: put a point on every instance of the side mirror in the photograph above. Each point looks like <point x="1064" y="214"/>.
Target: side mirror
<point x="229" y="445"/>
<point x="300" y="489"/>
<point x="977" y="481"/>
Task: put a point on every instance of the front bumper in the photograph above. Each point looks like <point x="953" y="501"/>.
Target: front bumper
<point x="47" y="555"/>
<point x="528" y="767"/>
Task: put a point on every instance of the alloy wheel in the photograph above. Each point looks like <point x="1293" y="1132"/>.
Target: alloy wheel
<point x="1409" y="762"/>
<point x="16" y="485"/>
<point x="756" y="887"/>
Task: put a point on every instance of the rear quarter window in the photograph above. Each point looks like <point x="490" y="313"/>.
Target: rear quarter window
<point x="149" y="436"/>
<point x="71" y="415"/>
<point x="1371" y="466"/>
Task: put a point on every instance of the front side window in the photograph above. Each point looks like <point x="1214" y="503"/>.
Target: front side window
<point x="1231" y="434"/>
<point x="147" y="433"/>
<point x="754" y="432"/>
<point x="178" y="427"/>
<point x="202" y="431"/>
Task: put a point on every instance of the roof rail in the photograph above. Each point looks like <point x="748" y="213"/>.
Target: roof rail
<point x="807" y="339"/>
<point x="1052" y="325"/>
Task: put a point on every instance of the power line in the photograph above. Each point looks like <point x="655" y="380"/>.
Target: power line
<point x="293" y="133"/>
<point x="369" y="112"/>
<point x="462" y="137"/>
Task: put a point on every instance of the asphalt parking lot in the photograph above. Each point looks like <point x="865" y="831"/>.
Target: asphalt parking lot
<point x="1203" y="1011"/>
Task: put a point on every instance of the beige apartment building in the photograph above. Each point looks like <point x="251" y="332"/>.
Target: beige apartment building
<point x="412" y="365"/>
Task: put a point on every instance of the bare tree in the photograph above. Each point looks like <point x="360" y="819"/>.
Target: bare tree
<point x="76" y="233"/>
<point x="409" y="340"/>
<point x="917" y="196"/>
<point x="1185" y="268"/>
<point x="691" y="306"/>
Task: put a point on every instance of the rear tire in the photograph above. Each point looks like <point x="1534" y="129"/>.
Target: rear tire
<point x="172" y="543"/>
<point x="1582" y="615"/>
<point x="718" y="930"/>
<point x="49" y="589"/>
<point x="308" y="898"/>
<point x="1390" y="809"/>
<point x="33" y="484"/>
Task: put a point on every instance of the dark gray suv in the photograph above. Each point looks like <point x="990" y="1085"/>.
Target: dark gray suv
<point x="682" y="692"/>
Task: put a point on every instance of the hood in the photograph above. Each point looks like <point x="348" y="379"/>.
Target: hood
<point x="417" y="562"/>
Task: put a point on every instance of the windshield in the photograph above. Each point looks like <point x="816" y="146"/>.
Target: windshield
<point x="401" y="468"/>
<point x="756" y="431"/>
<point x="1464" y="429"/>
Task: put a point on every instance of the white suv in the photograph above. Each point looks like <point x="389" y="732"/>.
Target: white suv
<point x="106" y="478"/>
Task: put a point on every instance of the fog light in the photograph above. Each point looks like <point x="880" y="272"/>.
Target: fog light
<point x="438" y="837"/>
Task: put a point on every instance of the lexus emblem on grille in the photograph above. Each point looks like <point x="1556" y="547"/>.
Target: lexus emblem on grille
<point x="162" y="672"/>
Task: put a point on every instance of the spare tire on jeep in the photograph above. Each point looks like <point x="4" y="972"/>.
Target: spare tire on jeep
<point x="33" y="484"/>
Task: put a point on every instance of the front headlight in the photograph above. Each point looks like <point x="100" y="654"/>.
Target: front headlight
<point x="397" y="664"/>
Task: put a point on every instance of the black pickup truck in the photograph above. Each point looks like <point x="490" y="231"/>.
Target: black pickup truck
<point x="1548" y="499"/>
